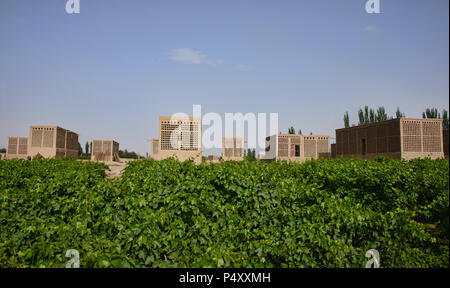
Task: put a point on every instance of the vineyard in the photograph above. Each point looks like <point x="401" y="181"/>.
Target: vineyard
<point x="323" y="213"/>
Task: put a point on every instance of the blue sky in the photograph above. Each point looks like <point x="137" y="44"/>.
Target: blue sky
<point x="111" y="70"/>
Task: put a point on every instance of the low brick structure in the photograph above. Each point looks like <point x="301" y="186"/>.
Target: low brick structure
<point x="17" y="148"/>
<point x="52" y="141"/>
<point x="211" y="159"/>
<point x="402" y="138"/>
<point x="105" y="150"/>
<point x="154" y="148"/>
<point x="232" y="149"/>
<point x="296" y="147"/>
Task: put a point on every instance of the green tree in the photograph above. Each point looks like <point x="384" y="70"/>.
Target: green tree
<point x="86" y="147"/>
<point x="346" y="120"/>
<point x="399" y="114"/>
<point x="80" y="149"/>
<point x="372" y="117"/>
<point x="291" y="130"/>
<point x="251" y="154"/>
<point x="431" y="113"/>
<point x="3" y="150"/>
<point x="381" y="115"/>
<point x="366" y="115"/>
<point x="126" y="154"/>
<point x="445" y="123"/>
<point x="361" y="117"/>
<point x="300" y="131"/>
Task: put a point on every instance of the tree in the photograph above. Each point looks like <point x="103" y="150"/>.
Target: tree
<point x="3" y="150"/>
<point x="291" y="130"/>
<point x="366" y="115"/>
<point x="445" y="123"/>
<point x="381" y="115"/>
<point x="86" y="147"/>
<point x="372" y="117"/>
<point x="346" y="120"/>
<point x="80" y="150"/>
<point x="251" y="154"/>
<point x="90" y="146"/>
<point x="300" y="131"/>
<point x="399" y="114"/>
<point x="431" y="113"/>
<point x="361" y="117"/>
<point x="126" y="154"/>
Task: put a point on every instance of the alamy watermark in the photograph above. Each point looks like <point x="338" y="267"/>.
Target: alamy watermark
<point x="73" y="6"/>
<point x="259" y="126"/>
<point x="374" y="260"/>
<point x="372" y="6"/>
<point x="74" y="258"/>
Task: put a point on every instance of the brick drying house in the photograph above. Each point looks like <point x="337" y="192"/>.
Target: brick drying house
<point x="179" y="137"/>
<point x="402" y="138"/>
<point x="17" y="148"/>
<point x="105" y="150"/>
<point x="52" y="142"/>
<point x="296" y="147"/>
<point x="233" y="149"/>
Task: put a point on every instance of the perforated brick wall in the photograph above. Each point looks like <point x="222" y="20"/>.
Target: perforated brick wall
<point x="16" y="147"/>
<point x="53" y="141"/>
<point x="432" y="136"/>
<point x="394" y="138"/>
<point x="232" y="148"/>
<point x="445" y="140"/>
<point x="105" y="150"/>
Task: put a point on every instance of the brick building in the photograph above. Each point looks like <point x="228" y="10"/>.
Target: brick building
<point x="232" y="149"/>
<point x="403" y="138"/>
<point x="105" y="150"/>
<point x="52" y="141"/>
<point x="445" y="139"/>
<point x="17" y="147"/>
<point x="296" y="147"/>
<point x="179" y="137"/>
<point x="333" y="150"/>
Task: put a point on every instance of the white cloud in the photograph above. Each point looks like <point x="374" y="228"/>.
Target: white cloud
<point x="242" y="67"/>
<point x="190" y="56"/>
<point x="372" y="29"/>
<point x="187" y="55"/>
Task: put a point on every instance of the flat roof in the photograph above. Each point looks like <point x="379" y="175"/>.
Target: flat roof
<point x="391" y="120"/>
<point x="178" y="118"/>
<point x="105" y="140"/>
<point x="56" y="127"/>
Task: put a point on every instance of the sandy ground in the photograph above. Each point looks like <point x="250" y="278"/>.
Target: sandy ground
<point x="115" y="169"/>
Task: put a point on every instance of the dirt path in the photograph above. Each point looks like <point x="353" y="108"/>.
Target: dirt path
<point x="115" y="169"/>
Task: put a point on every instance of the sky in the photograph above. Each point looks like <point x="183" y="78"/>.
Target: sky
<point x="110" y="71"/>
